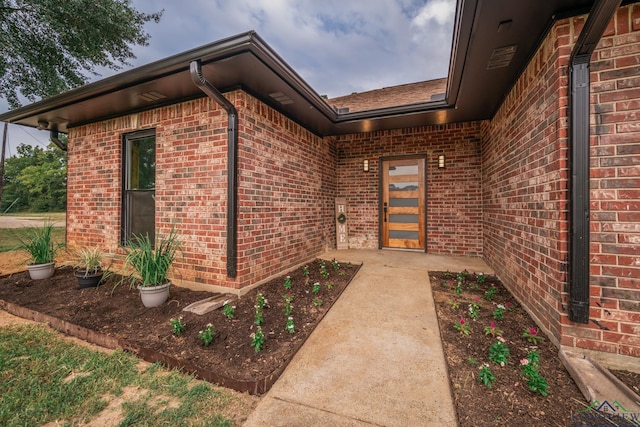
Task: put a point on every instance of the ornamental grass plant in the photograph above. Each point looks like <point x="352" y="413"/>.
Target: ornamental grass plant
<point x="38" y="244"/>
<point x="89" y="260"/>
<point x="150" y="264"/>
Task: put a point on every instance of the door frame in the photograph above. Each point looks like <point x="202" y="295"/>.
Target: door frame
<point x="381" y="160"/>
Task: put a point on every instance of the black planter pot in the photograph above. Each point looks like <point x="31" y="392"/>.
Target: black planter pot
<point x="90" y="280"/>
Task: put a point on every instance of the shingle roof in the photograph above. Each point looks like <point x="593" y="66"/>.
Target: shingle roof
<point x="406" y="94"/>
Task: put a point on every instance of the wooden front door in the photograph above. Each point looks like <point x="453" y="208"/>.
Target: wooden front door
<point x="402" y="207"/>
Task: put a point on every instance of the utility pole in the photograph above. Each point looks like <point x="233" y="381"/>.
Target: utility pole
<point x="4" y="145"/>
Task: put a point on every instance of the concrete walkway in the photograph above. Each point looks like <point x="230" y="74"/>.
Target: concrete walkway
<point x="376" y="358"/>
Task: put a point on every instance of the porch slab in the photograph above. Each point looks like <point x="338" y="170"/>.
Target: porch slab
<point x="376" y="358"/>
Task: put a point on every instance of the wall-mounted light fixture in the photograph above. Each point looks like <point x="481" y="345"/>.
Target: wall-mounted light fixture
<point x="441" y="161"/>
<point x="365" y="166"/>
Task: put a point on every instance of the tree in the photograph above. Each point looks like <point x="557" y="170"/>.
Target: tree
<point x="37" y="178"/>
<point x="49" y="46"/>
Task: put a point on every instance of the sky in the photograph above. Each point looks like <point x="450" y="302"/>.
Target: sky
<point x="337" y="46"/>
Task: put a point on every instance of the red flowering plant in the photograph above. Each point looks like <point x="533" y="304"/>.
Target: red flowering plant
<point x="462" y="326"/>
<point x="532" y="336"/>
<point x="492" y="330"/>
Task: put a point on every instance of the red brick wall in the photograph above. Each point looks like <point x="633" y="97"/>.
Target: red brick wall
<point x="454" y="205"/>
<point x="287" y="191"/>
<point x="524" y="175"/>
<point x="525" y="188"/>
<point x="286" y="187"/>
<point x="615" y="189"/>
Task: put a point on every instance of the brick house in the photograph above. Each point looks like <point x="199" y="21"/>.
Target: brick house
<point x="511" y="159"/>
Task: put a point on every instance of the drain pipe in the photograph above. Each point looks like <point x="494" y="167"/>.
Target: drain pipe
<point x="54" y="137"/>
<point x="232" y="164"/>
<point x="599" y="17"/>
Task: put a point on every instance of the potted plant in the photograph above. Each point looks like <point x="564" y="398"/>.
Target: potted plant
<point x="38" y="243"/>
<point x="89" y="267"/>
<point x="150" y="265"/>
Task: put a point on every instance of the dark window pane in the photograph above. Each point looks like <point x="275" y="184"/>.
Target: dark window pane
<point x="404" y="218"/>
<point x="141" y="214"/>
<point x="142" y="164"/>
<point x="404" y="203"/>
<point x="401" y="234"/>
<point x="138" y="208"/>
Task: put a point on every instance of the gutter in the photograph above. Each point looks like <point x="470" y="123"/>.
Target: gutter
<point x="232" y="164"/>
<point x="53" y="137"/>
<point x="599" y="17"/>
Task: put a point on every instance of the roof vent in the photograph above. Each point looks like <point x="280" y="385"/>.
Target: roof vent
<point x="281" y="98"/>
<point x="501" y="57"/>
<point x="152" y="96"/>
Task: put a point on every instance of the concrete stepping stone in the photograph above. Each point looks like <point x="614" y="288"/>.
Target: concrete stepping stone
<point x="209" y="304"/>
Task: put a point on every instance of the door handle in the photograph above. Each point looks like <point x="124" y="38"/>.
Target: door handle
<point x="385" y="211"/>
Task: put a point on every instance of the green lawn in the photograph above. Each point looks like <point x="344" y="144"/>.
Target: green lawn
<point x="45" y="379"/>
<point x="9" y="237"/>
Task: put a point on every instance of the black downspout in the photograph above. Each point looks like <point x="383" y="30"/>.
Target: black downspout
<point x="232" y="164"/>
<point x="599" y="17"/>
<point x="53" y="136"/>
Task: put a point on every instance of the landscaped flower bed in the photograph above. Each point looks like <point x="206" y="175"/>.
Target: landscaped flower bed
<point x="249" y="340"/>
<point x="503" y="370"/>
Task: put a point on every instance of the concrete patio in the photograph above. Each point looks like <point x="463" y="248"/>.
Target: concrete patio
<point x="376" y="358"/>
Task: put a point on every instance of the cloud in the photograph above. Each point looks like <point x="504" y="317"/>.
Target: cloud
<point x="438" y="11"/>
<point x="336" y="46"/>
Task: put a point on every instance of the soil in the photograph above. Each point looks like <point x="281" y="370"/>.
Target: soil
<point x="117" y="311"/>
<point x="509" y="401"/>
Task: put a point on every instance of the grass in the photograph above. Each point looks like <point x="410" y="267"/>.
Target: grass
<point x="44" y="378"/>
<point x="10" y="237"/>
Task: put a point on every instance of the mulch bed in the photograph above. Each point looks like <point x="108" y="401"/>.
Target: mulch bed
<point x="118" y="312"/>
<point x="509" y="401"/>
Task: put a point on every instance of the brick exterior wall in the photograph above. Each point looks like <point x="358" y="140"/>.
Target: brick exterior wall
<point x="615" y="189"/>
<point x="286" y="188"/>
<point x="454" y="204"/>
<point x="524" y="177"/>
<point x="525" y="181"/>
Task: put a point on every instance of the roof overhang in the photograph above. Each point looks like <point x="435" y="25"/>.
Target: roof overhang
<point x="493" y="41"/>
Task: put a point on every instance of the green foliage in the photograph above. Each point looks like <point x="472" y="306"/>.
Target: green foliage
<point x="38" y="244"/>
<point x="531" y="371"/>
<point x="257" y="339"/>
<point x="151" y="265"/>
<point x="532" y="335"/>
<point x="89" y="259"/>
<point x="177" y="327"/>
<point x="462" y="326"/>
<point x="486" y="377"/>
<point x="37" y="179"/>
<point x="73" y="38"/>
<point x="290" y="326"/>
<point x="228" y="310"/>
<point x="207" y="334"/>
<point x="288" y="307"/>
<point x="491" y="293"/>
<point x="499" y="353"/>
